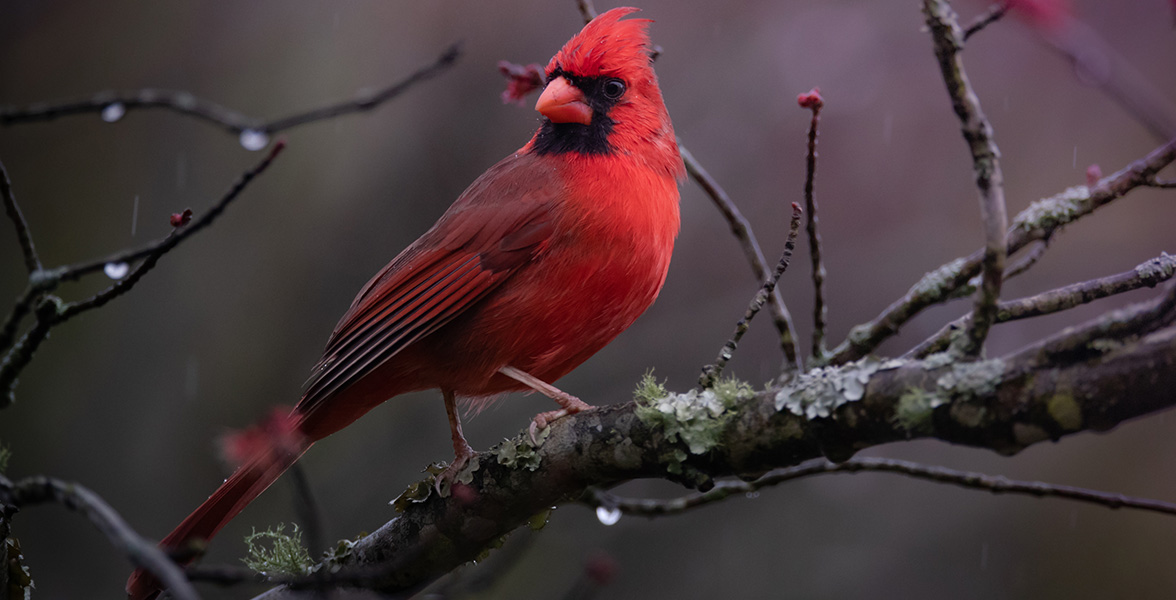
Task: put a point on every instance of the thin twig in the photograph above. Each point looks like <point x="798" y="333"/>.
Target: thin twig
<point x="163" y="245"/>
<point x="587" y="11"/>
<point x="52" y="312"/>
<point x="24" y="303"/>
<point x="992" y="15"/>
<point x="1162" y="183"/>
<point x="711" y="373"/>
<point x="1038" y="222"/>
<point x="742" y="231"/>
<point x="1149" y="274"/>
<point x="23" y="235"/>
<point x="979" y="481"/>
<point x="1027" y="261"/>
<point x="948" y="41"/>
<point x="142" y="553"/>
<point x="814" y="102"/>
<point x="306" y="508"/>
<point x="228" y="119"/>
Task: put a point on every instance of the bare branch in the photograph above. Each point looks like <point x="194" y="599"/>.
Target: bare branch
<point x="648" y="507"/>
<point x="142" y="553"/>
<point x="23" y="235"/>
<point x="742" y="231"/>
<point x="992" y="15"/>
<point x="711" y="373"/>
<point x="1026" y="262"/>
<point x="948" y="40"/>
<point x="1038" y="222"/>
<point x="51" y="311"/>
<point x="814" y="102"/>
<point x="234" y="122"/>
<point x="1162" y="183"/>
<point x="1148" y="274"/>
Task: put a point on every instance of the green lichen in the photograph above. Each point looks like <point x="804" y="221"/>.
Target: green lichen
<point x="274" y="552"/>
<point x="1065" y="411"/>
<point x="1050" y="213"/>
<point x="696" y="418"/>
<point x="518" y="454"/>
<point x="933" y="284"/>
<point x="730" y="390"/>
<point x="819" y="392"/>
<point x="915" y="408"/>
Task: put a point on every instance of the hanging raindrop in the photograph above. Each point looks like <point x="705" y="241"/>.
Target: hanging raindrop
<point x="113" y="112"/>
<point x="254" y="140"/>
<point x="608" y="516"/>
<point x="116" y="270"/>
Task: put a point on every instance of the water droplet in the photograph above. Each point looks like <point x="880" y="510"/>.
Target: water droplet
<point x="752" y="495"/>
<point x="254" y="140"/>
<point x="116" y="270"/>
<point x="608" y="516"/>
<point x="113" y="112"/>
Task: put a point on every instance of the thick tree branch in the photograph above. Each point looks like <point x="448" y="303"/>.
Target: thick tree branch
<point x="1109" y="375"/>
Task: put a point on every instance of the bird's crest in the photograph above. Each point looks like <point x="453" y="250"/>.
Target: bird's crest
<point x="606" y="46"/>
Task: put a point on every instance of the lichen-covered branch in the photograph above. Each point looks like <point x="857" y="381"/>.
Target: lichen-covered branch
<point x="1040" y="221"/>
<point x="114" y="104"/>
<point x="1148" y="274"/>
<point x="1112" y="372"/>
<point x="948" y="39"/>
<point x="652" y="507"/>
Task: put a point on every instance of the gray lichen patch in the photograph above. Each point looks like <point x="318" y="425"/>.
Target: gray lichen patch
<point x="971" y="379"/>
<point x="1157" y="269"/>
<point x="819" y="392"/>
<point x="518" y="453"/>
<point x="696" y="418"/>
<point x="934" y="283"/>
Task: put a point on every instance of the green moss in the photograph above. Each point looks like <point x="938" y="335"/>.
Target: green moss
<point x="649" y="390"/>
<point x="914" y="410"/>
<point x="1065" y="411"/>
<point x="273" y="551"/>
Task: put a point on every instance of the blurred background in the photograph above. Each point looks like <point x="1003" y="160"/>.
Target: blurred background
<point x="129" y="400"/>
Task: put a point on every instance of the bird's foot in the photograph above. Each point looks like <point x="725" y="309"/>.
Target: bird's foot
<point x="443" y="482"/>
<point x="542" y="420"/>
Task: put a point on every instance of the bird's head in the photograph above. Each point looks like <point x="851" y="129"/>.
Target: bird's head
<point x="602" y="96"/>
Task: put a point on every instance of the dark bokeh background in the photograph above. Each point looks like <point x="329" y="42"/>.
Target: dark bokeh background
<point x="129" y="400"/>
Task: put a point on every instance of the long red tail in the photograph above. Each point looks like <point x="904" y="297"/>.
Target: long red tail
<point x="267" y="457"/>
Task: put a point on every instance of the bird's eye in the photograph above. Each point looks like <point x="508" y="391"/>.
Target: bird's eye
<point x="614" y="89"/>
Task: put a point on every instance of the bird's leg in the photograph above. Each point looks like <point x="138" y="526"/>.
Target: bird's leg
<point x="462" y="452"/>
<point x="571" y="404"/>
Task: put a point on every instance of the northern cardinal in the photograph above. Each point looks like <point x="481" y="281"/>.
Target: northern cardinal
<point x="538" y="265"/>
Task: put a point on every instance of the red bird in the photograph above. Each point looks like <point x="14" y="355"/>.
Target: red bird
<point x="539" y="264"/>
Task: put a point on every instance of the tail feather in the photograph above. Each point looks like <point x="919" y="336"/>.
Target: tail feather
<point x="246" y="484"/>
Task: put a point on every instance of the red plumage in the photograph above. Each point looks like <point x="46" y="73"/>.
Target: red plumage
<point x="540" y="263"/>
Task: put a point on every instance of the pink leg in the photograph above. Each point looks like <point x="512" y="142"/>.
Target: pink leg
<point x="462" y="452"/>
<point x="571" y="404"/>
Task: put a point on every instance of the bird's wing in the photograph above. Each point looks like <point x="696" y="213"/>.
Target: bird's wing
<point x="473" y="249"/>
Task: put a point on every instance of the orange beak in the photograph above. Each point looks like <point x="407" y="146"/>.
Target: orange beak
<point x="563" y="102"/>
